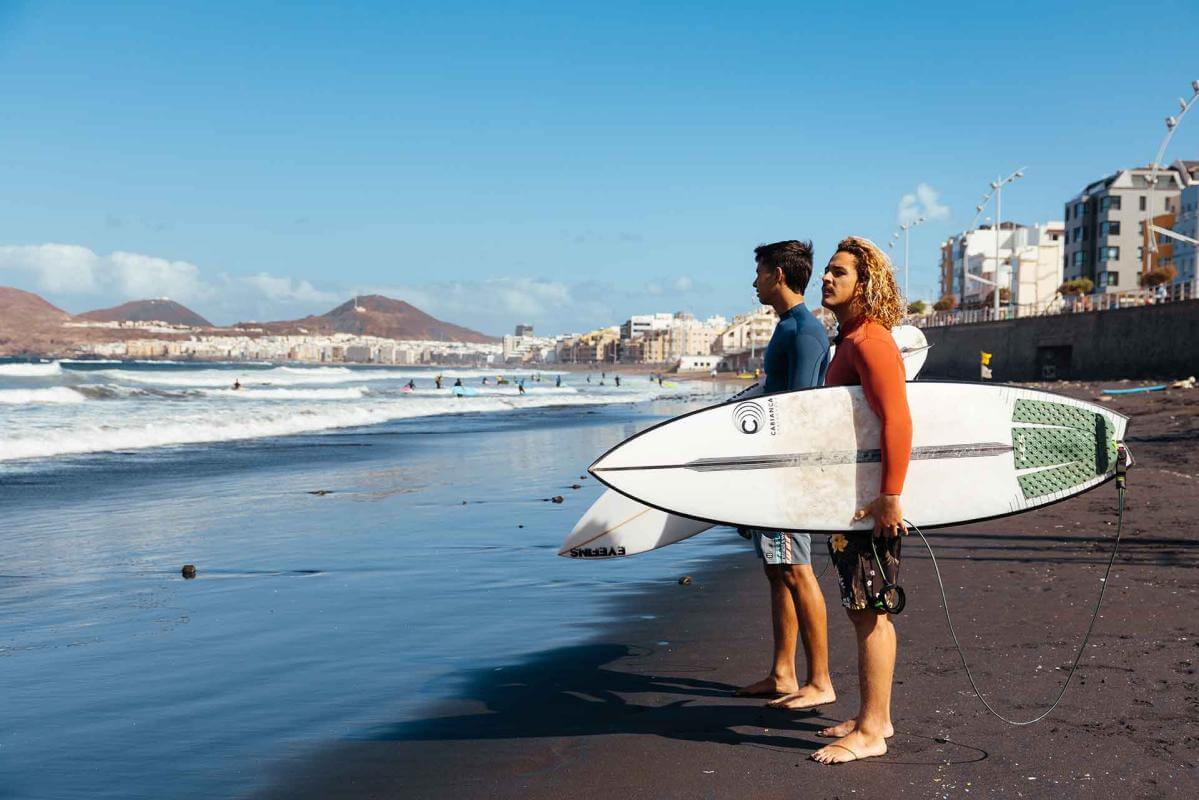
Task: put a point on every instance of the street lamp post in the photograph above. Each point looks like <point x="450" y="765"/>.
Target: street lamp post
<point x="906" y="227"/>
<point x="996" y="190"/>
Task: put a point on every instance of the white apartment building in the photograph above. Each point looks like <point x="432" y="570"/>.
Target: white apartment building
<point x="750" y="331"/>
<point x="1036" y="264"/>
<point x="640" y="323"/>
<point x="975" y="253"/>
<point x="1028" y="261"/>
<point x="659" y="338"/>
<point x="690" y="337"/>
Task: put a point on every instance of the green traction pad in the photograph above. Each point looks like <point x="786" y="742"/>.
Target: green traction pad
<point x="1083" y="449"/>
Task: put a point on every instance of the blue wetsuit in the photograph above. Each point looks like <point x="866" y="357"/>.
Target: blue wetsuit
<point x="796" y="358"/>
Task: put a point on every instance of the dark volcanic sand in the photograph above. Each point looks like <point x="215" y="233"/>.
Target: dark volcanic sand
<point x="646" y="709"/>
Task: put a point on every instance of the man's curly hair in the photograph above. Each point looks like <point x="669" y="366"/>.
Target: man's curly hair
<point x="878" y="294"/>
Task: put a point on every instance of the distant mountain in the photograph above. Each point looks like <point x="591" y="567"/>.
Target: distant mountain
<point x="21" y="309"/>
<point x="376" y="315"/>
<point x="161" y="310"/>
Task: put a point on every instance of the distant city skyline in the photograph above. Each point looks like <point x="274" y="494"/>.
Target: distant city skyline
<point x="561" y="167"/>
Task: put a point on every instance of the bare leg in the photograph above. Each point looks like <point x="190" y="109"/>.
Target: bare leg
<point x="813" y="631"/>
<point x="782" y="679"/>
<point x="876" y="667"/>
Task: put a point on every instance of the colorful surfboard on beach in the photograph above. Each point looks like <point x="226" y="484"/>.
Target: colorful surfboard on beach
<point x="616" y="526"/>
<point x="808" y="460"/>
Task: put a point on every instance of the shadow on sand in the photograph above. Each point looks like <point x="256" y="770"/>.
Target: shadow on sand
<point x="573" y="691"/>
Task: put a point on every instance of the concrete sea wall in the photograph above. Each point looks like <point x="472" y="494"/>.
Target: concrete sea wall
<point x="1160" y="341"/>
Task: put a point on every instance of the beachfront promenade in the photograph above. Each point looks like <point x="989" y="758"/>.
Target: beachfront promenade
<point x="1062" y="304"/>
<point x="1110" y="337"/>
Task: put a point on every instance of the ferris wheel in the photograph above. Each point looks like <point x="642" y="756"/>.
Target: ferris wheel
<point x="1172" y="123"/>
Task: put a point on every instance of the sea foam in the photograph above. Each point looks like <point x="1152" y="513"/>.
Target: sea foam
<point x="54" y="394"/>
<point x="214" y="423"/>
<point x="30" y="370"/>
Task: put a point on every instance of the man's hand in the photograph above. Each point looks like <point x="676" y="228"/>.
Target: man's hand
<point x="888" y="516"/>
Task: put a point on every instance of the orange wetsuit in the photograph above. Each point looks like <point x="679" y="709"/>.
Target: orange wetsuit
<point x="867" y="355"/>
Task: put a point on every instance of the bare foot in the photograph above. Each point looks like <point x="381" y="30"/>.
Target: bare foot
<point x="767" y="687"/>
<point x="849" y="726"/>
<point x="808" y="696"/>
<point x="853" y="747"/>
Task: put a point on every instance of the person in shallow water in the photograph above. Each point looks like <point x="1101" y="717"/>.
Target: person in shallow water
<point x="236" y="384"/>
<point x="796" y="358"/>
<point x="521" y="387"/>
<point x="437" y="381"/>
<point x="859" y="288"/>
<point x="458" y="382"/>
<point x="411" y="384"/>
<point x="558" y="382"/>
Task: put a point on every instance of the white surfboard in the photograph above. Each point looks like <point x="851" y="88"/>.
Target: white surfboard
<point x="616" y="526"/>
<point x="808" y="460"/>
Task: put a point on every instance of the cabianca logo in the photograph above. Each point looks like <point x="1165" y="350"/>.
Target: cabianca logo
<point x="748" y="416"/>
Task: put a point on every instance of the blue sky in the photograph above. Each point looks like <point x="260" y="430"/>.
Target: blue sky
<point x="560" y="164"/>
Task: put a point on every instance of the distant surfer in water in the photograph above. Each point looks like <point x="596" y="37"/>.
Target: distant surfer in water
<point x="859" y="288"/>
<point x="236" y="384"/>
<point x="796" y="358"/>
<point x="558" y="382"/>
<point x="437" y="381"/>
<point x="458" y="382"/>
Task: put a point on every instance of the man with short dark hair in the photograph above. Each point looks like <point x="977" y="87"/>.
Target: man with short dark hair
<point x="796" y="358"/>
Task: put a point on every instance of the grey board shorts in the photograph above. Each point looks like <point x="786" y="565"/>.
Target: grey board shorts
<point x="782" y="547"/>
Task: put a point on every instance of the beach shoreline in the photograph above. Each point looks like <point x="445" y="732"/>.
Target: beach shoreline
<point x="645" y="708"/>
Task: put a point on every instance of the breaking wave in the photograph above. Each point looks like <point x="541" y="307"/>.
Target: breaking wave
<point x="31" y="370"/>
<point x="55" y="394"/>
<point x="216" y="424"/>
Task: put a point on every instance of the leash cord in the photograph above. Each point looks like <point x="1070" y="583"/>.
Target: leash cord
<point x="1120" y="487"/>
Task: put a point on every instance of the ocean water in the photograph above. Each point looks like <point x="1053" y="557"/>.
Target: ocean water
<point x="357" y="548"/>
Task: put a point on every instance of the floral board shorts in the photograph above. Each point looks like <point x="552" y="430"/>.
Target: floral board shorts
<point x="858" y="568"/>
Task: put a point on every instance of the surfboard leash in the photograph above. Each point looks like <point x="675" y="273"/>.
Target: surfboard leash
<point x="1121" y="488"/>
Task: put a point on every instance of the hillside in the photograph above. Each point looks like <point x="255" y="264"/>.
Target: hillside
<point x="20" y="309"/>
<point x="160" y="310"/>
<point x="376" y="315"/>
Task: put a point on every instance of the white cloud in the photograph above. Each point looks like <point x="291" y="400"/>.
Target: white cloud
<point x="137" y="276"/>
<point x="290" y="290"/>
<point x="497" y="301"/>
<point x="53" y="267"/>
<point x="921" y="203"/>
<point x="70" y="269"/>
<point x="78" y="279"/>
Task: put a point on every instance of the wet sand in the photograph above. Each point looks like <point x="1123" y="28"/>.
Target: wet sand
<point x="646" y="709"/>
